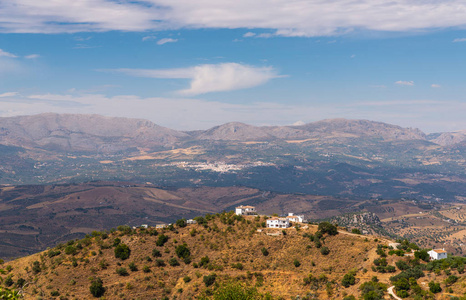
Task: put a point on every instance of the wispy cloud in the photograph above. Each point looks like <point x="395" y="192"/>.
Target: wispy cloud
<point x="406" y="83"/>
<point x="32" y="56"/>
<point x="166" y="40"/>
<point x="249" y="34"/>
<point x="292" y="19"/>
<point x="209" y="78"/>
<point x="459" y="40"/>
<point x="9" y="94"/>
<point x="149" y="38"/>
<point x="436" y="86"/>
<point x="7" y="54"/>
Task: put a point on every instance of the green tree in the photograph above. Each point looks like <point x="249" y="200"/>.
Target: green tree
<point x="209" y="279"/>
<point x="97" y="287"/>
<point x="181" y="223"/>
<point x="434" y="287"/>
<point x="327" y="227"/>
<point x="122" y="251"/>
<point x="182" y="251"/>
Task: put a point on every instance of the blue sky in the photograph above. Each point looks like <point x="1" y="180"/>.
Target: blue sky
<point x="196" y="64"/>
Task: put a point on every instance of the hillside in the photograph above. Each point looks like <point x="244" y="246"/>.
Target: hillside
<point x="222" y="253"/>
<point x="356" y="159"/>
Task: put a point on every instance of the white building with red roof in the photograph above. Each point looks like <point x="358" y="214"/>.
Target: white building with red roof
<point x="437" y="254"/>
<point x="278" y="223"/>
<point x="245" y="210"/>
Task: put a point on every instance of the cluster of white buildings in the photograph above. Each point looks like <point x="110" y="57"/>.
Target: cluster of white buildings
<point x="275" y="222"/>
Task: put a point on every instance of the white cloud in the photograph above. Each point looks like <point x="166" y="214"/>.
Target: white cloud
<point x="7" y="54"/>
<point x="249" y="34"/>
<point x="166" y="40"/>
<point x="434" y="85"/>
<point x="459" y="40"/>
<point x="9" y="94"/>
<point x="149" y="38"/>
<point x="406" y="83"/>
<point x="296" y="18"/>
<point x="429" y="115"/>
<point x="32" y="56"/>
<point x="209" y="78"/>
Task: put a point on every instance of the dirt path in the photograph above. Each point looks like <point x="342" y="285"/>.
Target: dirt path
<point x="390" y="292"/>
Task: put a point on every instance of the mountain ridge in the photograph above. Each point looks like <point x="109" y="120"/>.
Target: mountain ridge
<point x="96" y="133"/>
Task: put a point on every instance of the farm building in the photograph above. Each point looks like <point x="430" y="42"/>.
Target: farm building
<point x="245" y="210"/>
<point x="278" y="223"/>
<point x="437" y="254"/>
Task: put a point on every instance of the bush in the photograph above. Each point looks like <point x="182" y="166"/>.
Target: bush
<point x="434" y="287"/>
<point x="54" y="293"/>
<point x="122" y="271"/>
<point x="132" y="266"/>
<point x="156" y="253"/>
<point x="70" y="250"/>
<point x="161" y="240"/>
<point x="356" y="231"/>
<point x="36" y="267"/>
<point x="296" y="263"/>
<point x="327" y="227"/>
<point x="146" y="269"/>
<point x="422" y="254"/>
<point x="348" y="280"/>
<point x="238" y="266"/>
<point x="204" y="261"/>
<point x="402" y="265"/>
<point x="265" y="252"/>
<point x="173" y="262"/>
<point x="181" y="223"/>
<point x="182" y="251"/>
<point x="324" y="251"/>
<point x="209" y="279"/>
<point x="159" y="262"/>
<point x="122" y="251"/>
<point x="97" y="287"/>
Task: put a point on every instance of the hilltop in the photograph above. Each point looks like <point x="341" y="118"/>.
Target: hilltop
<point x="223" y="253"/>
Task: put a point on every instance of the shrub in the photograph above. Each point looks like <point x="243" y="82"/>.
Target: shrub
<point x="70" y="250"/>
<point x="182" y="251"/>
<point x="296" y="263"/>
<point x="348" y="280"/>
<point x="209" y="279"/>
<point x="122" y="251"/>
<point x="327" y="227"/>
<point x="122" y="271"/>
<point x="451" y="279"/>
<point x="156" y="253"/>
<point x="422" y="254"/>
<point x="324" y="250"/>
<point x="173" y="262"/>
<point x="97" y="287"/>
<point x="54" y="293"/>
<point x="238" y="266"/>
<point x="159" y="262"/>
<point x="434" y="287"/>
<point x="402" y="265"/>
<point x="132" y="266"/>
<point x="161" y="240"/>
<point x="36" y="267"/>
<point x="356" y="231"/>
<point x="265" y="252"/>
<point x="186" y="279"/>
<point x="146" y="269"/>
<point x="181" y="223"/>
<point x="204" y="261"/>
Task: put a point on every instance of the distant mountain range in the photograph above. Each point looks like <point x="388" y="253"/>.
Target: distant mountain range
<point x="338" y="157"/>
<point x="95" y="133"/>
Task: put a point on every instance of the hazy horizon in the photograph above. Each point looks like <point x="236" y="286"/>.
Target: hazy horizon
<point x="193" y="65"/>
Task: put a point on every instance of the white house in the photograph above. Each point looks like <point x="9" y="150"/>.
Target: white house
<point x="245" y="210"/>
<point x="292" y="218"/>
<point x="278" y="223"/>
<point x="437" y="254"/>
<point x="191" y="221"/>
